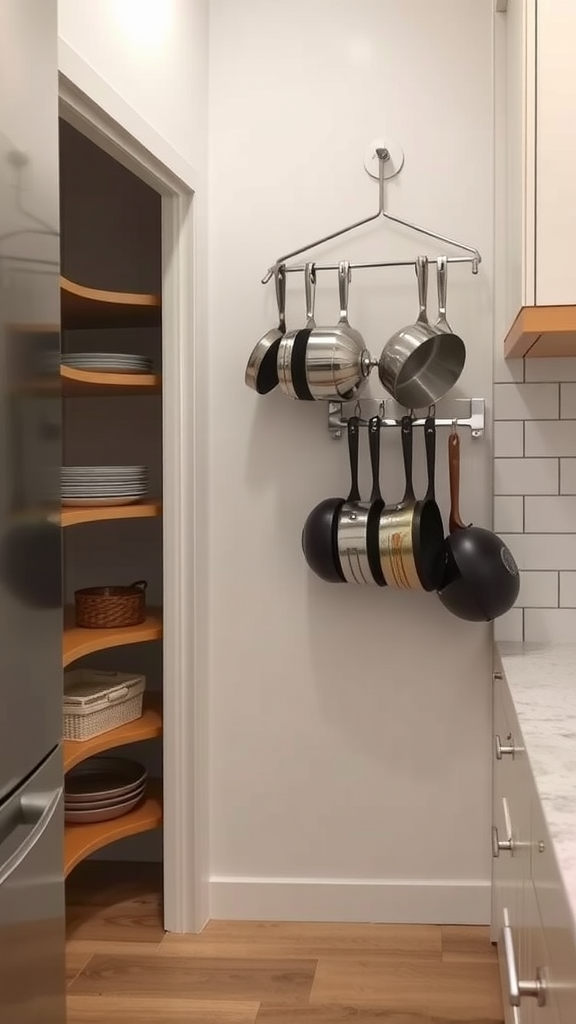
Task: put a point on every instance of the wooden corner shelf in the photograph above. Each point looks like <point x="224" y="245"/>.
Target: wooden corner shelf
<point x="148" y="727"/>
<point x="542" y="332"/>
<point x="77" y="642"/>
<point x="95" y="307"/>
<point x="79" y="383"/>
<point x="142" y="510"/>
<point x="82" y="840"/>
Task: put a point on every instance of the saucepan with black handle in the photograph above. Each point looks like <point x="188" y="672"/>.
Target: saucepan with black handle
<point x="411" y="534"/>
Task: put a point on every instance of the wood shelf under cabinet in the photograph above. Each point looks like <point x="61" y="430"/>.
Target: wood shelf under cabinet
<point x="77" y="642"/>
<point x="148" y="727"/>
<point x="82" y="840"/>
<point x="542" y="332"/>
<point x="78" y="383"/>
<point x="143" y="510"/>
<point x="83" y="307"/>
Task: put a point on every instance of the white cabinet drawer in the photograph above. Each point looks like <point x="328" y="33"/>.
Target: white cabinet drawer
<point x="556" y="918"/>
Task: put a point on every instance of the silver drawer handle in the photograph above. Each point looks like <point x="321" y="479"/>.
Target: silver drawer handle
<point x="501" y="750"/>
<point x="516" y="988"/>
<point x="500" y="844"/>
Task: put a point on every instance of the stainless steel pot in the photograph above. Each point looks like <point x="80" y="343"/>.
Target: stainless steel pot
<point x="324" y="363"/>
<point x="352" y="522"/>
<point x="261" y="370"/>
<point x="420" y="363"/>
<point x="291" y="359"/>
<point x="337" y="361"/>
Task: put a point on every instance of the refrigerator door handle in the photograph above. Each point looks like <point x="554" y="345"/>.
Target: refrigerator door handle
<point x="35" y="811"/>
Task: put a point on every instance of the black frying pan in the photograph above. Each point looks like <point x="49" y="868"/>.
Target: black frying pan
<point x="320" y="533"/>
<point x="481" y="579"/>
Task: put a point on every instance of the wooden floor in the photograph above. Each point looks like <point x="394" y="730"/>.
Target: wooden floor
<point x="123" y="969"/>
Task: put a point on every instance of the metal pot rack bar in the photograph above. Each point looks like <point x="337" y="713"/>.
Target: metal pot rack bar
<point x="383" y="155"/>
<point x="338" y="420"/>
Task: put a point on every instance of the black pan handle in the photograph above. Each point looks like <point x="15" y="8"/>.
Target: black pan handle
<point x="430" y="442"/>
<point x="374" y="442"/>
<point x="406" y="431"/>
<point x="353" y="445"/>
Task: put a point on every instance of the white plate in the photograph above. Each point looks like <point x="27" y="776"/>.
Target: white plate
<point x="104" y="469"/>
<point x="101" y="502"/>
<point x="104" y="492"/>
<point x="119" y="356"/>
<point x="140" y="370"/>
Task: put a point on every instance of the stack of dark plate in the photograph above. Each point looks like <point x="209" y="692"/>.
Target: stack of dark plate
<point x="102" y="788"/>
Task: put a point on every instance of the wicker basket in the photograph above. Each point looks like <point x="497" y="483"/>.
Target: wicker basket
<point x="111" y="607"/>
<point x="96" y="702"/>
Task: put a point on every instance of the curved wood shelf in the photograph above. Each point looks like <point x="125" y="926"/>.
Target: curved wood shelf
<point x="542" y="332"/>
<point x="82" y="840"/>
<point x="76" y="383"/>
<point x="76" y="642"/>
<point x="95" y="307"/>
<point x="148" y="727"/>
<point x="76" y="516"/>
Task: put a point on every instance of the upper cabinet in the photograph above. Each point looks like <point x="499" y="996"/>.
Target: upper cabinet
<point x="540" y="101"/>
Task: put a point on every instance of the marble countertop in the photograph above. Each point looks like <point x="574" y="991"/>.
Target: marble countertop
<point x="542" y="681"/>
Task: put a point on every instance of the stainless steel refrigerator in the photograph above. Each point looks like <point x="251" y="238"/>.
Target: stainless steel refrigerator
<point x="32" y="988"/>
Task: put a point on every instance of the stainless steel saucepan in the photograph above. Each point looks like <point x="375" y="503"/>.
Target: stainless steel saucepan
<point x="291" y="357"/>
<point x="421" y="362"/>
<point x="262" y="370"/>
<point x="337" y="361"/>
<point x="324" y="363"/>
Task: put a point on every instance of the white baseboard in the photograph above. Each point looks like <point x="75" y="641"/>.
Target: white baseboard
<point x="390" y="901"/>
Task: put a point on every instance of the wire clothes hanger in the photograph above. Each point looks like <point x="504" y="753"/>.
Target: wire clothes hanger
<point x="383" y="155"/>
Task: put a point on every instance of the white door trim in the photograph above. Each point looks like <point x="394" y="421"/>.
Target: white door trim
<point x="86" y="102"/>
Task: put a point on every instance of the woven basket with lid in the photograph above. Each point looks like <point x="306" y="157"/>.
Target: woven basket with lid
<point x="111" y="607"/>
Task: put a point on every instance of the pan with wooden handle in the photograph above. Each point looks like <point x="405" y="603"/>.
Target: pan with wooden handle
<point x="481" y="580"/>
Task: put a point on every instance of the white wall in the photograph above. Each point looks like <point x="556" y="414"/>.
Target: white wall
<point x="349" y="728"/>
<point x="153" y="53"/>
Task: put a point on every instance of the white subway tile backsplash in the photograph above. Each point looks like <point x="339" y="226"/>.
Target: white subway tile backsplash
<point x="550" y="515"/>
<point x="552" y="437"/>
<point x="556" y="624"/>
<point x="510" y="626"/>
<point x="568" y="589"/>
<point x="506" y="370"/>
<point x="509" y="439"/>
<point x="538" y="589"/>
<point x="568" y="401"/>
<point x="526" y="401"/>
<point x="525" y="476"/>
<point x="543" y="550"/>
<point x="550" y="369"/>
<point x="567" y="476"/>
<point x="508" y="514"/>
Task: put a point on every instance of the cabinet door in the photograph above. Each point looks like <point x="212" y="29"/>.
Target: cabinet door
<point x="556" y="153"/>
<point x="539" y="1005"/>
<point x="518" y="144"/>
<point x="556" y="918"/>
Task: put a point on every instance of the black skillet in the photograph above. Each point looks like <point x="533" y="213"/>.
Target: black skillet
<point x="320" y="533"/>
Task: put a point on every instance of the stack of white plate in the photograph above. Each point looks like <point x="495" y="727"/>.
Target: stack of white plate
<point x="103" y="788"/>
<point x="108" y="362"/>
<point x="103" y="485"/>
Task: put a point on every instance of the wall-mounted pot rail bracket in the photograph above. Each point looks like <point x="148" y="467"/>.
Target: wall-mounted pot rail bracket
<point x="383" y="154"/>
<point x="340" y="412"/>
